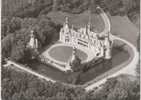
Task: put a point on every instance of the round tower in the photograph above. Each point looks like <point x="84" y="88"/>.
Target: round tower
<point x="33" y="42"/>
<point x="66" y="26"/>
<point x="108" y="48"/>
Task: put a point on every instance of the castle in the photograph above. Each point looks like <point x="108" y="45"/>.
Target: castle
<point x="84" y="37"/>
<point x="97" y="45"/>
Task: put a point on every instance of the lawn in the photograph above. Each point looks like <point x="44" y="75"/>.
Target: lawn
<point x="63" y="53"/>
<point x="124" y="28"/>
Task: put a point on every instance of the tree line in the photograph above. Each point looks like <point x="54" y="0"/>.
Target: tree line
<point x="35" y="8"/>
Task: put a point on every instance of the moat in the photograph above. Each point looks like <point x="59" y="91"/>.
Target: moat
<point x="119" y="56"/>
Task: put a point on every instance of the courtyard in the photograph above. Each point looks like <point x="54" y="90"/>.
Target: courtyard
<point x="61" y="53"/>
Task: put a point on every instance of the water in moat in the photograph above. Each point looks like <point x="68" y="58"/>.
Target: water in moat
<point x="118" y="56"/>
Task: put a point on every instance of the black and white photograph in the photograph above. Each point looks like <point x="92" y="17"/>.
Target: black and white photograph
<point x="70" y="50"/>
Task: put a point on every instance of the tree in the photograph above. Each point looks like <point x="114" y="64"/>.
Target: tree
<point x="7" y="45"/>
<point x="138" y="65"/>
<point x="138" y="43"/>
<point x="19" y="45"/>
<point x="56" y="5"/>
<point x="15" y="24"/>
<point x="10" y="25"/>
<point x="76" y="64"/>
<point x="5" y="26"/>
<point x="118" y="94"/>
<point x="119" y="7"/>
<point x="93" y="6"/>
<point x="37" y="89"/>
<point x="17" y="52"/>
<point x="14" y="45"/>
<point x="123" y="87"/>
<point x="138" y="70"/>
<point x="33" y="10"/>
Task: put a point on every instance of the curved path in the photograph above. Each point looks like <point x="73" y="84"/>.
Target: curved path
<point x="128" y="69"/>
<point x="26" y="69"/>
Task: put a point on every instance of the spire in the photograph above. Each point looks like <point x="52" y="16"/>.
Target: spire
<point x="32" y="34"/>
<point x="89" y="21"/>
<point x="72" y="30"/>
<point x="33" y="42"/>
<point x="66" y="20"/>
<point x="108" y="48"/>
<point x="66" y="27"/>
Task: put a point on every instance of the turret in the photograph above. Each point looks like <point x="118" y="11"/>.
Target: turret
<point x="33" y="42"/>
<point x="64" y="30"/>
<point x="73" y="57"/>
<point x="66" y="20"/>
<point x="66" y="26"/>
<point x="108" y="47"/>
<point x="72" y="29"/>
<point x="89" y="23"/>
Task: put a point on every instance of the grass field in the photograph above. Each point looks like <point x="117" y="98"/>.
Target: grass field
<point x="124" y="28"/>
<point x="63" y="53"/>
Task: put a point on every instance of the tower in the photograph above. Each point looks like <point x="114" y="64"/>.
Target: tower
<point x="66" y="26"/>
<point x="73" y="39"/>
<point x="64" y="32"/>
<point x="89" y="22"/>
<point x="108" y="47"/>
<point x="33" y="42"/>
<point x="88" y="29"/>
